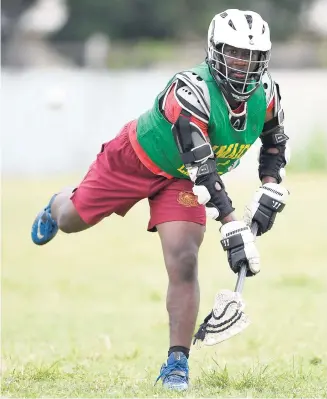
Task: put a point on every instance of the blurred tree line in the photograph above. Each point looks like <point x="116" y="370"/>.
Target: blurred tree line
<point x="177" y="20"/>
<point x="170" y="19"/>
<point x="142" y="33"/>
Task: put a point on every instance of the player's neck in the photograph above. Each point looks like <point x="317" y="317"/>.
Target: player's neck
<point x="236" y="107"/>
<point x="239" y="108"/>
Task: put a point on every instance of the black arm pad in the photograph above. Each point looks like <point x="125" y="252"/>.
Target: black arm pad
<point x="273" y="137"/>
<point x="197" y="154"/>
<point x="271" y="164"/>
<point x="190" y="140"/>
<point x="207" y="176"/>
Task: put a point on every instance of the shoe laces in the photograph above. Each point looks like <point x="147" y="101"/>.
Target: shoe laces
<point x="48" y="223"/>
<point x="173" y="367"/>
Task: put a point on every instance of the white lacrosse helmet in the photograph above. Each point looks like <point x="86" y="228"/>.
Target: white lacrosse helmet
<point x="244" y="30"/>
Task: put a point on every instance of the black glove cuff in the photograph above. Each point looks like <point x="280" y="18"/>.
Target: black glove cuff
<point x="232" y="242"/>
<point x="272" y="204"/>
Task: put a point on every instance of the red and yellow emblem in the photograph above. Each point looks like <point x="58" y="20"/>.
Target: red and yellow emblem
<point x="187" y="198"/>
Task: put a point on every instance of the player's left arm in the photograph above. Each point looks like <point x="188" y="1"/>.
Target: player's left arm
<point x="271" y="197"/>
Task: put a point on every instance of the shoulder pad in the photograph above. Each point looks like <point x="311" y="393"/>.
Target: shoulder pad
<point x="198" y="86"/>
<point x="187" y="99"/>
<point x="268" y="86"/>
<point x="278" y="109"/>
<point x="272" y="91"/>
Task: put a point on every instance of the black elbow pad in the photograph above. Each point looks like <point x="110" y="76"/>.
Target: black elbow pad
<point x="190" y="140"/>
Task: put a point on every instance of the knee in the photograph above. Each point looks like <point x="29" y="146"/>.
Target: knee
<point x="183" y="265"/>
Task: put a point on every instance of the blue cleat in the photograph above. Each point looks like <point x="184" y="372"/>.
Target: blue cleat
<point x="44" y="227"/>
<point x="174" y="374"/>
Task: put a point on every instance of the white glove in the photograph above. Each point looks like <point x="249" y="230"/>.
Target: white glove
<point x="267" y="202"/>
<point x="238" y="241"/>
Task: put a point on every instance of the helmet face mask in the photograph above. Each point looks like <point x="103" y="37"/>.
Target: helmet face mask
<point x="238" y="52"/>
<point x="241" y="69"/>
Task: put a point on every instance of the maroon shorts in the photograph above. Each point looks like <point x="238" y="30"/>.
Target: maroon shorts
<point x="117" y="180"/>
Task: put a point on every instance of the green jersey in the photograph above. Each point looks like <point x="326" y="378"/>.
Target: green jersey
<point x="155" y="136"/>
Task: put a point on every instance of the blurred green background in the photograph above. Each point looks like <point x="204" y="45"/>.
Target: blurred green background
<point x="152" y="31"/>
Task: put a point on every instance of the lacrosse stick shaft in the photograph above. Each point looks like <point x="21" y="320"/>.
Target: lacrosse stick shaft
<point x="242" y="273"/>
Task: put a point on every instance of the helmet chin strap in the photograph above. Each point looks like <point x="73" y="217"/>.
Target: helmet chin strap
<point x="228" y="96"/>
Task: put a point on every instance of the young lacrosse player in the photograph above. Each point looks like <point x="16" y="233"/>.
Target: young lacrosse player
<point x="199" y="127"/>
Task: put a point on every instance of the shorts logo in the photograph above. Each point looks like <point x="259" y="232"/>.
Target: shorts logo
<point x="187" y="198"/>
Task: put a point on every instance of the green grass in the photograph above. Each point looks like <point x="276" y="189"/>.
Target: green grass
<point x="312" y="156"/>
<point x="85" y="315"/>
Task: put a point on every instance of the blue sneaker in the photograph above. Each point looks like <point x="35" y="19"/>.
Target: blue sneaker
<point x="44" y="227"/>
<point x="174" y="374"/>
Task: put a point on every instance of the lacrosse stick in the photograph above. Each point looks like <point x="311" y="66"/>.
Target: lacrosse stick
<point x="227" y="317"/>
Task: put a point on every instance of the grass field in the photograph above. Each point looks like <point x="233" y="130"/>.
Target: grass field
<point x="85" y="315"/>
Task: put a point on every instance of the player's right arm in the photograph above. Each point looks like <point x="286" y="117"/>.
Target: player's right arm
<point x="186" y="105"/>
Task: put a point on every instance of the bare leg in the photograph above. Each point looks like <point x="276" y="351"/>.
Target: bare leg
<point x="180" y="243"/>
<point x="65" y="214"/>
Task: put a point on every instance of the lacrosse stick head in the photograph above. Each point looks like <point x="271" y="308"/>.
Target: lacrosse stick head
<point x="226" y="319"/>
